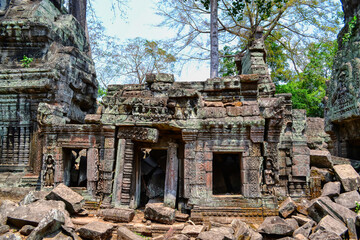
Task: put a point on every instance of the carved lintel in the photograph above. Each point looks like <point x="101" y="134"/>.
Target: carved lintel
<point x="141" y="134"/>
<point x="189" y="135"/>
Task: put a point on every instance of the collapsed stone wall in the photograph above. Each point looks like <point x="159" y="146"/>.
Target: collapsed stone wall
<point x="58" y="87"/>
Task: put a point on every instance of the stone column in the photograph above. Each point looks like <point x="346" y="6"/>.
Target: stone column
<point x="92" y="173"/>
<point x="119" y="172"/>
<point x="171" y="178"/>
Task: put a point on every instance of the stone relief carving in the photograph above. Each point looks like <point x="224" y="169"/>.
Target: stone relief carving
<point x="49" y="172"/>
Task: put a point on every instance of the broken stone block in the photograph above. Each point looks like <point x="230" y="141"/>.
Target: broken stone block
<point x="302" y="219"/>
<point x="228" y="232"/>
<point x="320" y="158"/>
<point x="276" y="226"/>
<point x="49" y="224"/>
<point x="4" y="229"/>
<point x="33" y="213"/>
<point x="193" y="230"/>
<point x="331" y="189"/>
<point x="348" y="177"/>
<point x="292" y="222"/>
<point x="287" y="207"/>
<point x="320" y="207"/>
<point x="159" y="213"/>
<point x="26" y="230"/>
<point x="348" y="199"/>
<point x="330" y="224"/>
<point x="181" y="217"/>
<point x="118" y="215"/>
<point x="10" y="236"/>
<point x="33" y="196"/>
<point x="125" y="234"/>
<point x="305" y="229"/>
<point x="59" y="235"/>
<point x="242" y="230"/>
<point x="302" y="206"/>
<point x="321" y="235"/>
<point x="96" y="230"/>
<point x="6" y="207"/>
<point x="74" y="202"/>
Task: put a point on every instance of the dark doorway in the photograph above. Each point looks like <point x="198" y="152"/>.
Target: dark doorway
<point x="75" y="167"/>
<point x="226" y="174"/>
<point x="153" y="171"/>
<point x="353" y="149"/>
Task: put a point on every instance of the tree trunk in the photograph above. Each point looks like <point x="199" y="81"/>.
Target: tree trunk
<point x="214" y="40"/>
<point x="78" y="9"/>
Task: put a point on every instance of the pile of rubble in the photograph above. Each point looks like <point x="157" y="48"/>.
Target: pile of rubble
<point x="48" y="215"/>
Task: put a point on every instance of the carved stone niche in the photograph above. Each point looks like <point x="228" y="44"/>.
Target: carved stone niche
<point x="4" y="5"/>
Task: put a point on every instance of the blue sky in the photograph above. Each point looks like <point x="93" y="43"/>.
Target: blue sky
<point x="141" y="21"/>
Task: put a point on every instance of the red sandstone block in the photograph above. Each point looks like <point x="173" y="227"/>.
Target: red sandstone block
<point x="208" y="166"/>
<point x="208" y="156"/>
<point x="301" y="150"/>
<point x="301" y="160"/>
<point x="301" y="170"/>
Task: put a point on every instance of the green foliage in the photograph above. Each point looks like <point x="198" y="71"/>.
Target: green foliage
<point x="278" y="60"/>
<point x="102" y="92"/>
<point x="357" y="209"/>
<point x="308" y="88"/>
<point x="227" y="64"/>
<point x="26" y="61"/>
<point x="351" y="27"/>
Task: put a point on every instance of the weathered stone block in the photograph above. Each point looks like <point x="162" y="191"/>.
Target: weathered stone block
<point x="109" y="154"/>
<point x="305" y="229"/>
<point x="193" y="230"/>
<point x="118" y="214"/>
<point x="211" y="112"/>
<point x="321" y="159"/>
<point x="300" y="170"/>
<point x="287" y="207"/>
<point x="276" y="226"/>
<point x="74" y="202"/>
<point x="348" y="177"/>
<point x="33" y="213"/>
<point x="330" y="224"/>
<point x="125" y="234"/>
<point x="348" y="199"/>
<point x="157" y="212"/>
<point x="159" y="77"/>
<point x="301" y="160"/>
<point x="331" y="189"/>
<point x="52" y="221"/>
<point x="96" y="230"/>
<point x="320" y="207"/>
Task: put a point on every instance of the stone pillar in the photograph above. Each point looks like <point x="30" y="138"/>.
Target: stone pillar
<point x="92" y="173"/>
<point x="171" y="178"/>
<point x="119" y="172"/>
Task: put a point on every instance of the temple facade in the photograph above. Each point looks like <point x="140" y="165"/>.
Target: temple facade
<point x="223" y="147"/>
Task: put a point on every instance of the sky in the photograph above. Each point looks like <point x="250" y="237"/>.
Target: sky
<point x="141" y="21"/>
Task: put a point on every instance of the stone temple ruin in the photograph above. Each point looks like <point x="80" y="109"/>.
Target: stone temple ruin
<point x="220" y="149"/>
